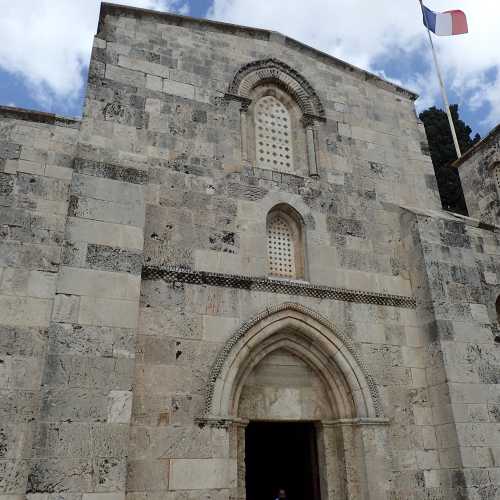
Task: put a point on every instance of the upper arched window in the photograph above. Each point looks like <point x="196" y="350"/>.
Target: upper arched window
<point x="496" y="173"/>
<point x="285" y="243"/>
<point x="280" y="117"/>
<point x="273" y="135"/>
<point x="497" y="306"/>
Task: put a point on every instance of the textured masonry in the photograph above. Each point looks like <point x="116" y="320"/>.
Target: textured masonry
<point x="146" y="316"/>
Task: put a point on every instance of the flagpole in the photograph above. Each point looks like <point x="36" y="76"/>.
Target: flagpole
<point x="443" y="89"/>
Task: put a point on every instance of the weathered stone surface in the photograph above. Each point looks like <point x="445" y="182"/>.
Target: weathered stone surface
<point x="108" y="258"/>
<point x="6" y="184"/>
<point x="202" y="474"/>
<point x="109" y="171"/>
<point x="478" y="171"/>
<point x="119" y="381"/>
<point x="9" y="151"/>
<point x="104" y="233"/>
<point x="283" y="387"/>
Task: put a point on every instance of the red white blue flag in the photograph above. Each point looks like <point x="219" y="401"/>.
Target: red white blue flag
<point x="451" y="22"/>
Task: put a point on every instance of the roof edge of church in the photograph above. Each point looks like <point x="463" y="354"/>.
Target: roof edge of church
<point x="492" y="134"/>
<point x="35" y="116"/>
<point x="181" y="19"/>
<point x="447" y="215"/>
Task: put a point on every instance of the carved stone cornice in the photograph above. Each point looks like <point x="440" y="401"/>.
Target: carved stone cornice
<point x="310" y="120"/>
<point x="245" y="102"/>
<point x="221" y="422"/>
<point x="279" y="73"/>
<point x="355" y="422"/>
<point x="29" y="115"/>
<point x="282" y="286"/>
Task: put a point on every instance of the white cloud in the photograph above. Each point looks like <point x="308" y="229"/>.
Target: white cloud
<point x="48" y="42"/>
<point x="362" y="32"/>
<point x="486" y="93"/>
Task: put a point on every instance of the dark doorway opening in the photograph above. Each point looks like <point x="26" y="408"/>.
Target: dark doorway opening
<point x="281" y="455"/>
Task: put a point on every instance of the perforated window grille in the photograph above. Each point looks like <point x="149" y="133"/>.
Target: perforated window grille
<point x="497" y="174"/>
<point x="281" y="250"/>
<point x="273" y="135"/>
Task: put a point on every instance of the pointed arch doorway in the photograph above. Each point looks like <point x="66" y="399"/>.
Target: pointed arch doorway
<point x="288" y="372"/>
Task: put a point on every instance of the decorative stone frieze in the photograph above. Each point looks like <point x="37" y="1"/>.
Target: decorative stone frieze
<point x="278" y="72"/>
<point x="276" y="285"/>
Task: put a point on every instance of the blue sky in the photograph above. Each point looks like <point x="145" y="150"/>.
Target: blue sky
<point x="45" y="46"/>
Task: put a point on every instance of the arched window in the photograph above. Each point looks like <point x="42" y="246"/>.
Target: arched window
<point x="273" y="135"/>
<point x="496" y="173"/>
<point x="285" y="243"/>
<point x="280" y="118"/>
<point x="497" y="306"/>
<point x="281" y="247"/>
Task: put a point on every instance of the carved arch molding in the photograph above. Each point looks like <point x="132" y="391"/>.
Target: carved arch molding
<point x="357" y="466"/>
<point x="276" y="72"/>
<point x="358" y="400"/>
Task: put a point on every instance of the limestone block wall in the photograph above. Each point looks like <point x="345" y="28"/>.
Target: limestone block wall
<point x="158" y="180"/>
<point x="480" y="176"/>
<point x="183" y="327"/>
<point x="168" y="78"/>
<point x="371" y="138"/>
<point x="157" y="100"/>
<point x="36" y="153"/>
<point x="81" y="443"/>
<point x="458" y="272"/>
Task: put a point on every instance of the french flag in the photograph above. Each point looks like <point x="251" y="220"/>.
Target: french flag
<point x="451" y="22"/>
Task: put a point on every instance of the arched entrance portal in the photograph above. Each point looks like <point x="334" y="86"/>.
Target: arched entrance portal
<point x="289" y="365"/>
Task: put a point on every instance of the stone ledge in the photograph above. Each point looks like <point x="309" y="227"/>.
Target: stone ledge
<point x="225" y="422"/>
<point x="451" y="217"/>
<point x="276" y="286"/>
<point x="491" y="137"/>
<point x="38" y="117"/>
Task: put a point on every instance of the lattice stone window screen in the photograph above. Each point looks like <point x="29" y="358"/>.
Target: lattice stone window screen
<point x="497" y="175"/>
<point x="280" y="241"/>
<point x="273" y="135"/>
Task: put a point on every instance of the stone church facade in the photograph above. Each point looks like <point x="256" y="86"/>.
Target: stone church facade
<point x="234" y="274"/>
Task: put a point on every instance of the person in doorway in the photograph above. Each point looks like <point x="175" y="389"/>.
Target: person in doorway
<point x="281" y="495"/>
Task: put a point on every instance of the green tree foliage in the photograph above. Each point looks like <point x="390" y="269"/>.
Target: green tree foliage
<point x="443" y="153"/>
